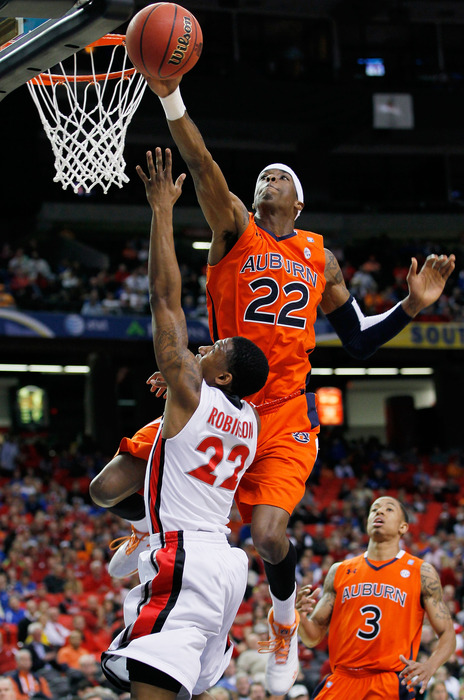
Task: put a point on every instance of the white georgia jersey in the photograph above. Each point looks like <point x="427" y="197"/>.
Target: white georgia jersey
<point x="191" y="478"/>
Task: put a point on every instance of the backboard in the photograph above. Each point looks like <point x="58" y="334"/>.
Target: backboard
<point x="69" y="27"/>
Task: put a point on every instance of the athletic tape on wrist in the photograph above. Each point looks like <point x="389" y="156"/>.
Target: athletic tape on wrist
<point x="173" y="105"/>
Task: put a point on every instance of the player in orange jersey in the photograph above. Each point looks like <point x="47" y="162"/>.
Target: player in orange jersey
<point x="373" y="607"/>
<point x="265" y="280"/>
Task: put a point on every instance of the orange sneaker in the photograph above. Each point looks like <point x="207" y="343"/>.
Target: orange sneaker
<point x="125" y="560"/>
<point x="282" y="647"/>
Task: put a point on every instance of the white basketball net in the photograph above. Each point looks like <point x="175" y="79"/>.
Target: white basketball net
<point x="86" y="122"/>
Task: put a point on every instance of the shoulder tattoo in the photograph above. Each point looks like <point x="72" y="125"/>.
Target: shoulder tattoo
<point x="332" y="268"/>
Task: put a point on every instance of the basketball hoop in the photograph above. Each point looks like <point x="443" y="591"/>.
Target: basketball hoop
<point x="86" y="116"/>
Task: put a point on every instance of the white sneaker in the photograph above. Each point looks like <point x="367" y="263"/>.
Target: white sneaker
<point x="125" y="560"/>
<point x="282" y="647"/>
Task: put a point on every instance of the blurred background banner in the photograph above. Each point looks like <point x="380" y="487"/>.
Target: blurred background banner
<point x="56" y="325"/>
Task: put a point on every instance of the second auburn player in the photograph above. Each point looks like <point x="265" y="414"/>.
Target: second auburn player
<point x="373" y="607"/>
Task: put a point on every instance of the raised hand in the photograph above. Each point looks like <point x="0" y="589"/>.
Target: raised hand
<point x="427" y="285"/>
<point x="160" y="189"/>
<point x="162" y="88"/>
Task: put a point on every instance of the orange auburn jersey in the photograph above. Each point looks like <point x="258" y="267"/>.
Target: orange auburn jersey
<point x="268" y="289"/>
<point x="377" y="613"/>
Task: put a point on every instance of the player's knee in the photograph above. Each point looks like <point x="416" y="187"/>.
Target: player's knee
<point x="270" y="543"/>
<point x="269" y="532"/>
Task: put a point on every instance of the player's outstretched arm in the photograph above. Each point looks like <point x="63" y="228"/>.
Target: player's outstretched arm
<point x="363" y="335"/>
<point x="225" y="213"/>
<point x="312" y="629"/>
<point x="440" y="619"/>
<point x="178" y="365"/>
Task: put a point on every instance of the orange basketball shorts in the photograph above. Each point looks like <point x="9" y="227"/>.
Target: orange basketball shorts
<point x="374" y="686"/>
<point x="286" y="452"/>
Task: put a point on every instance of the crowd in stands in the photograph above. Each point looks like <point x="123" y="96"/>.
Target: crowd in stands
<point x="32" y="280"/>
<point x="33" y="277"/>
<point x="59" y="608"/>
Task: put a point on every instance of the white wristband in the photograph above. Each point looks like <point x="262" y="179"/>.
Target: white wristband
<point x="173" y="105"/>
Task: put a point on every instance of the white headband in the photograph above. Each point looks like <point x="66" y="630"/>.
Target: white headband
<point x="296" y="181"/>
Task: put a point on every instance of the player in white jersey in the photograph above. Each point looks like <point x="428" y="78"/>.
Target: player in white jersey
<point x="212" y="450"/>
<point x="192" y="582"/>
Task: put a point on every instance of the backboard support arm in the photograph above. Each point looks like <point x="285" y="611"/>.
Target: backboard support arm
<point x="57" y="39"/>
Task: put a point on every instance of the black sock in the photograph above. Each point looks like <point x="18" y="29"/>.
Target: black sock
<point x="281" y="576"/>
<point x="131" y="508"/>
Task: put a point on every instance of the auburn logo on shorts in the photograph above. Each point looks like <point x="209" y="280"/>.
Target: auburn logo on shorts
<point x="302" y="437"/>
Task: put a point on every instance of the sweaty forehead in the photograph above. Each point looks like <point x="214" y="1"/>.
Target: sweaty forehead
<point x="385" y="501"/>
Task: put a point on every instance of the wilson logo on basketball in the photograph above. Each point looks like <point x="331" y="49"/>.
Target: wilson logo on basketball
<point x="301" y="437"/>
<point x="182" y="43"/>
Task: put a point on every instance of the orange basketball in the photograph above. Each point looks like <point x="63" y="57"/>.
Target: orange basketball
<point x="164" y="40"/>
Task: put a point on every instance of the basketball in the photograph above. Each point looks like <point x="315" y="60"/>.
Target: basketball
<point x="164" y="40"/>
